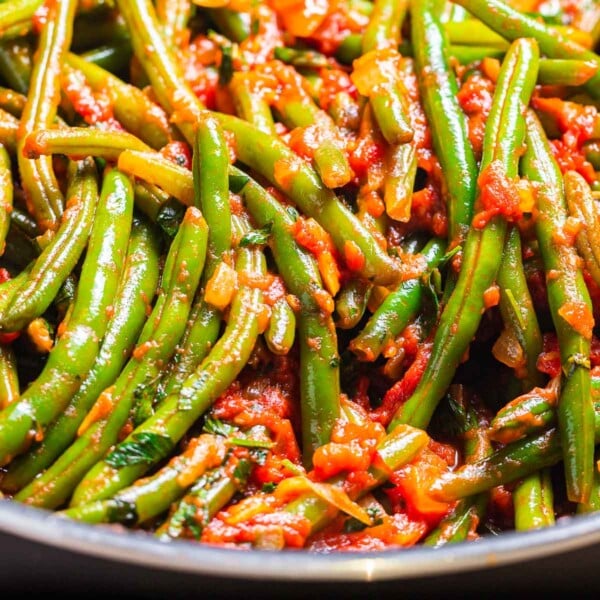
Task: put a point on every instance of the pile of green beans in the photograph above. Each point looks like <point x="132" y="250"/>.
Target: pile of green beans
<point x="271" y="281"/>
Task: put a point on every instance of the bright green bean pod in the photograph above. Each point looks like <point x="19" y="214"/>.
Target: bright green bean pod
<point x="397" y="310"/>
<point x="18" y="13"/>
<point x="76" y="349"/>
<point x="132" y="107"/>
<point x="351" y="303"/>
<point x="533" y="501"/>
<point x="250" y="105"/>
<point x="384" y="25"/>
<point x="281" y="330"/>
<point x="567" y="72"/>
<point x="319" y="359"/>
<point x="233" y="24"/>
<point x="210" y="182"/>
<point x="12" y="102"/>
<point x="9" y="288"/>
<point x="179" y="411"/>
<point x="60" y="256"/>
<point x="518" y="312"/>
<point x="137" y="287"/>
<point x="272" y="159"/>
<point x="174" y="16"/>
<point x="512" y="24"/>
<point x="399" y="183"/>
<point x="9" y="379"/>
<point x="81" y="141"/>
<point x="39" y="181"/>
<point x="460" y="318"/>
<point x="439" y="90"/>
<point x="161" y="67"/>
<point x="566" y="292"/>
<point x="211" y="187"/>
<point x="6" y="195"/>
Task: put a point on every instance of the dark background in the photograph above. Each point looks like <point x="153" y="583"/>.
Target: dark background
<point x="34" y="570"/>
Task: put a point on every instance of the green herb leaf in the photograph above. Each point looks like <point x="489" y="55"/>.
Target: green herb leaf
<point x="170" y="216"/>
<point x="145" y="448"/>
<point x="257" y="237"/>
<point x="217" y="427"/>
<point x="237" y="183"/>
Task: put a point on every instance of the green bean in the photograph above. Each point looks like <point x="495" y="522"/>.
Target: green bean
<point x="401" y="161"/>
<point x="9" y="288"/>
<point x="566" y="71"/>
<point x="6" y="196"/>
<point x="511" y="24"/>
<point x="9" y="379"/>
<point x="319" y="360"/>
<point x="18" y="13"/>
<point x="533" y="500"/>
<point x="299" y="110"/>
<point x="518" y="313"/>
<point x="38" y="177"/>
<point x="384" y="25"/>
<point x="132" y="107"/>
<point x="164" y="72"/>
<point x="24" y="222"/>
<point x="272" y="159"/>
<point x="76" y="142"/>
<point x="66" y="465"/>
<point x="351" y="303"/>
<point x="60" y="256"/>
<point x="439" y="90"/>
<point x="504" y="136"/>
<point x="12" y="102"/>
<point x="593" y="503"/>
<point x="174" y="16"/>
<point x="281" y="330"/>
<point x="180" y="410"/>
<point x="527" y="414"/>
<point x="397" y="310"/>
<point x="210" y="183"/>
<point x="250" y="104"/>
<point x="231" y="23"/>
<point x="567" y="291"/>
<point x="75" y="351"/>
<point x="9" y="127"/>
<point x="581" y="205"/>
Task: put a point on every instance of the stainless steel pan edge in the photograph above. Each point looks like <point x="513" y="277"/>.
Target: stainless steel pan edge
<point x="142" y="549"/>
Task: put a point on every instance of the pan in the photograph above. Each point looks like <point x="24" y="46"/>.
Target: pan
<point x="41" y="552"/>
